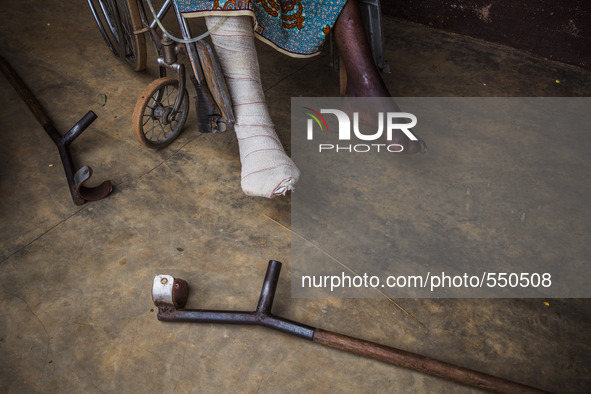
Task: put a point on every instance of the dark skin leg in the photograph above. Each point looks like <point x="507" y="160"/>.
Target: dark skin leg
<point x="363" y="76"/>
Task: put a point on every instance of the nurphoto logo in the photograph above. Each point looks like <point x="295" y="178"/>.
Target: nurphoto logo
<point x="347" y="130"/>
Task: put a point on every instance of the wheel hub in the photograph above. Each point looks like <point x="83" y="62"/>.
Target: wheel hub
<point x="163" y="114"/>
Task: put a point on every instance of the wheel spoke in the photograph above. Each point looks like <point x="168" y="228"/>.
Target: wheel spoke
<point x="167" y="97"/>
<point x="154" y="128"/>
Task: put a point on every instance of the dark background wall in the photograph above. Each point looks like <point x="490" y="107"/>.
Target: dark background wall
<point x="554" y="29"/>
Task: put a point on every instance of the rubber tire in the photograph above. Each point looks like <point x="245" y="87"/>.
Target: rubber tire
<point x="145" y="137"/>
<point x="131" y="22"/>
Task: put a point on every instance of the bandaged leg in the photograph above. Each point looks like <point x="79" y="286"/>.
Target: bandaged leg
<point x="266" y="168"/>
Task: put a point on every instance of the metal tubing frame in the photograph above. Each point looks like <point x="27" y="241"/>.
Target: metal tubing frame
<point x="206" y="104"/>
<point x="160" y="14"/>
<point x="262" y="316"/>
<point x="63" y="146"/>
<point x="180" y="70"/>
<point x="191" y="47"/>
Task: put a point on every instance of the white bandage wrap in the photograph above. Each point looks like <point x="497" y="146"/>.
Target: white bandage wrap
<point x="266" y="169"/>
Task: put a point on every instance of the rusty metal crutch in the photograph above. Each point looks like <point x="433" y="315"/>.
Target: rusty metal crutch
<point x="80" y="193"/>
<point x="170" y="295"/>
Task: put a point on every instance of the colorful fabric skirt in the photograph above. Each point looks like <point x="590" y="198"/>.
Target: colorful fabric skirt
<point x="295" y="27"/>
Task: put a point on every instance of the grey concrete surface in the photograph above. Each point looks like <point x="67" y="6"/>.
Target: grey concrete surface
<point x="75" y="281"/>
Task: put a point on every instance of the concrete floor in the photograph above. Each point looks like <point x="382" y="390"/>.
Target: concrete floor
<point x="77" y="314"/>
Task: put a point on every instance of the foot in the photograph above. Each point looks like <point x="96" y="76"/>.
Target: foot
<point x="368" y="117"/>
<point x="410" y="147"/>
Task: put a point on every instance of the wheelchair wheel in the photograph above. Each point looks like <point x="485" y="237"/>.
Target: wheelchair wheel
<point x="135" y="44"/>
<point x="152" y="123"/>
<point x="105" y="18"/>
<point x="117" y="21"/>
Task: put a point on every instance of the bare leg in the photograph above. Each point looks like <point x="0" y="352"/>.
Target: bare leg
<point x="363" y="76"/>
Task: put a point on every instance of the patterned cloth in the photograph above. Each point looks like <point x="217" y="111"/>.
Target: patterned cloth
<point x="295" y="27"/>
